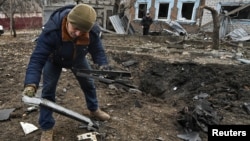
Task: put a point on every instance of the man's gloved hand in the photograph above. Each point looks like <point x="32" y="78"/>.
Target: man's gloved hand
<point x="30" y="90"/>
<point x="105" y="67"/>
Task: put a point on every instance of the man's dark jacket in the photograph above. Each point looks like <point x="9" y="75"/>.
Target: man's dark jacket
<point x="51" y="47"/>
<point x="146" y="21"/>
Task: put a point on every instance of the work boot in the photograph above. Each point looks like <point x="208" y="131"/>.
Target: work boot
<point x="47" y="135"/>
<point x="101" y="115"/>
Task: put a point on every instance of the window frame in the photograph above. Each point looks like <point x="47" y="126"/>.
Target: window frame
<point x="194" y="12"/>
<point x="157" y="7"/>
<point x="138" y="2"/>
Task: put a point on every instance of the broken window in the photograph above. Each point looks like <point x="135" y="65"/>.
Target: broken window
<point x="141" y="8"/>
<point x="187" y="10"/>
<point x="163" y="11"/>
<point x="242" y="14"/>
<point x="108" y="22"/>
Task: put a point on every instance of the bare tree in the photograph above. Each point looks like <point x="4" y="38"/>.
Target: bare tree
<point x="1" y="2"/>
<point x="216" y="28"/>
<point x="22" y="7"/>
<point x="9" y="9"/>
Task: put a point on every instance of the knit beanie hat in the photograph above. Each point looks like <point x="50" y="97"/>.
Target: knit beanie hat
<point x="82" y="16"/>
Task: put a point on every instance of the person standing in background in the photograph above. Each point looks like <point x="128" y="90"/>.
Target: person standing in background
<point x="146" y="23"/>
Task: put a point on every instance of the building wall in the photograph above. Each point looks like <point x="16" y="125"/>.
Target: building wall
<point x="215" y="3"/>
<point x="207" y="17"/>
<point x="23" y="23"/>
<point x="174" y="14"/>
<point x="107" y="8"/>
<point x="104" y="9"/>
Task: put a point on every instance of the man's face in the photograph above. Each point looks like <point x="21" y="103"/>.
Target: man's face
<point x="73" y="31"/>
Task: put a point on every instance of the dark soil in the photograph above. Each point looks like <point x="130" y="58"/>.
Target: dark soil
<point x="170" y="83"/>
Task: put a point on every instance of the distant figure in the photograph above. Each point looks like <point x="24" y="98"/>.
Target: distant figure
<point x="145" y="23"/>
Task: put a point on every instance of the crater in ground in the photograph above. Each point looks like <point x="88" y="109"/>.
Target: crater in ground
<point x="170" y="83"/>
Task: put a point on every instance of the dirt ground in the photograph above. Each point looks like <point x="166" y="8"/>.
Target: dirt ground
<point x="170" y="81"/>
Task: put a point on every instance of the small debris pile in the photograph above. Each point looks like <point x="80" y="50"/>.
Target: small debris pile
<point x="197" y="118"/>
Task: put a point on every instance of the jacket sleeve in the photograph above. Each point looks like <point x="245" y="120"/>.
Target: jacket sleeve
<point x="151" y="21"/>
<point x="142" y="22"/>
<point x="96" y="48"/>
<point x="39" y="56"/>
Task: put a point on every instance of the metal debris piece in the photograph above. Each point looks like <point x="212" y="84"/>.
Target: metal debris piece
<point x="199" y="117"/>
<point x="245" y="61"/>
<point x="177" y="27"/>
<point x="64" y="69"/>
<point x="31" y="109"/>
<point x="239" y="35"/>
<point x="129" y="63"/>
<point x="192" y="136"/>
<point x="134" y="91"/>
<point x="90" y="135"/>
<point x="110" y="73"/>
<point x="246" y="106"/>
<point x="121" y="24"/>
<point x="160" y="139"/>
<point x="201" y="96"/>
<point x="59" y="109"/>
<point x="28" y="127"/>
<point x="89" y="128"/>
<point x="106" y="80"/>
<point x="5" y="113"/>
<point x="117" y="24"/>
<point x="175" y="88"/>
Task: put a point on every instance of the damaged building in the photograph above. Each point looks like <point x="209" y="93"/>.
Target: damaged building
<point x="115" y="14"/>
<point x="184" y="12"/>
<point x="104" y="9"/>
<point x="124" y="16"/>
<point x="234" y="15"/>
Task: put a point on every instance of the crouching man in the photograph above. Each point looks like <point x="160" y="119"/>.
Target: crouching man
<point x="68" y="36"/>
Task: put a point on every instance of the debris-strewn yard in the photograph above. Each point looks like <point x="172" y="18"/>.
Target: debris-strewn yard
<point x="171" y="81"/>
